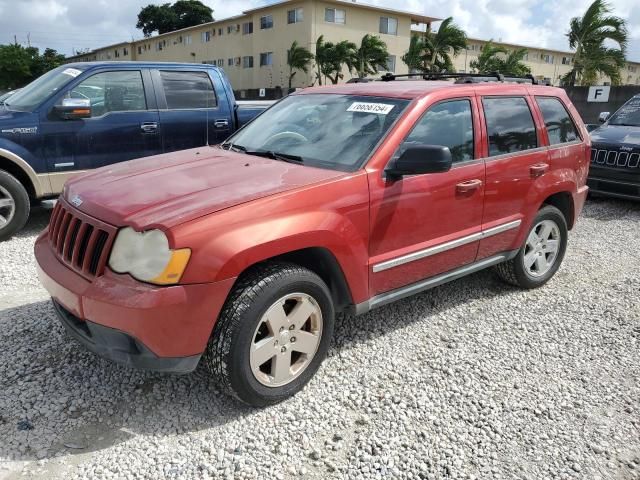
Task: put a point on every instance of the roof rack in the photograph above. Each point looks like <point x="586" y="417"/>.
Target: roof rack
<point x="464" y="77"/>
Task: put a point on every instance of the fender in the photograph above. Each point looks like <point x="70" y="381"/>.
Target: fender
<point x="40" y="183"/>
<point x="242" y="236"/>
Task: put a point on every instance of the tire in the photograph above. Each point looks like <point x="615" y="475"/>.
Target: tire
<point x="14" y="205"/>
<point x="233" y="355"/>
<point x="516" y="270"/>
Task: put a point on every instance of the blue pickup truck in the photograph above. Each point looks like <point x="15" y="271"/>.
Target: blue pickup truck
<point x="87" y="115"/>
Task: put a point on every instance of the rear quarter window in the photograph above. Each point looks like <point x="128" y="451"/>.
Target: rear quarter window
<point x="510" y="126"/>
<point x="560" y="126"/>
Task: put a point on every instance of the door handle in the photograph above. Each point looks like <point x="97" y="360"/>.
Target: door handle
<point x="538" y="169"/>
<point x="149" y="127"/>
<point x="469" y="186"/>
<point x="223" y="123"/>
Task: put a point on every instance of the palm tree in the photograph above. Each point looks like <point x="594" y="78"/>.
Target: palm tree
<point x="332" y="58"/>
<point x="371" y="55"/>
<point x="298" y="58"/>
<point x="495" y="58"/>
<point x="587" y="35"/>
<point x="432" y="52"/>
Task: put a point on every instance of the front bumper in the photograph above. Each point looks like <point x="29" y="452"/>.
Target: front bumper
<point x="129" y="322"/>
<point x="614" y="182"/>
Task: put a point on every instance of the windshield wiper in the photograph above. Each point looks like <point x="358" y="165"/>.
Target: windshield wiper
<point x="234" y="147"/>
<point x="275" y="155"/>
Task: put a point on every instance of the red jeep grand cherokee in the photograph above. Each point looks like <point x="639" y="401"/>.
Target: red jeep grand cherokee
<point x="340" y="198"/>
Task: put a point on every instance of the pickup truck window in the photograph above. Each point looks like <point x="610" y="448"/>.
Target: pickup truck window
<point x="510" y="125"/>
<point x="332" y="131"/>
<point x="120" y="91"/>
<point x="449" y="124"/>
<point x="188" y="90"/>
<point x="559" y="125"/>
<point x="31" y="96"/>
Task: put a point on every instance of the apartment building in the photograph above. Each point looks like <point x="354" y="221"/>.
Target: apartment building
<point x="252" y="47"/>
<point x="546" y="64"/>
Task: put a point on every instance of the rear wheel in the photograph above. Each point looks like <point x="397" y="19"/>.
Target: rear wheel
<point x="14" y="205"/>
<point x="272" y="334"/>
<point x="542" y="253"/>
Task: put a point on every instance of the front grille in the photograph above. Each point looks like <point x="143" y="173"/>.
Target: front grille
<point x="615" y="158"/>
<point x="79" y="241"/>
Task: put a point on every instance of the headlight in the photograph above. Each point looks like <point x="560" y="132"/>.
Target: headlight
<point x="147" y="257"/>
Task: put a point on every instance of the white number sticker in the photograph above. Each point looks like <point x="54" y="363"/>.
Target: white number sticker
<point x="72" y="71"/>
<point x="379" y="108"/>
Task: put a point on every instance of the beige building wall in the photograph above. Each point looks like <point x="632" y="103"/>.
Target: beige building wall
<point x="226" y="43"/>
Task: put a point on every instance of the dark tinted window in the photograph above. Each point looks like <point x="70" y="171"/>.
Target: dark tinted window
<point x="112" y="92"/>
<point x="560" y="127"/>
<point x="449" y="124"/>
<point x="510" y="125"/>
<point x="188" y="90"/>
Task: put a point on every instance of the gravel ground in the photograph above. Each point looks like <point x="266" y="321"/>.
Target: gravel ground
<point x="474" y="379"/>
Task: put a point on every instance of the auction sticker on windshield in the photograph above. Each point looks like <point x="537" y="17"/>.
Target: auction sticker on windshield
<point x="379" y="108"/>
<point x="72" y="71"/>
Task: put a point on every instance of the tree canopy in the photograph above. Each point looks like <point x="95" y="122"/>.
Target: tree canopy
<point x="432" y="51"/>
<point x="372" y="54"/>
<point x="332" y="57"/>
<point x="591" y="36"/>
<point x="298" y="58"/>
<point x="169" y="17"/>
<point x="496" y="58"/>
<point x="20" y="65"/>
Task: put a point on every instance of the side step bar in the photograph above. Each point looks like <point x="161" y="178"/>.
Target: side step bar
<point x="422" y="285"/>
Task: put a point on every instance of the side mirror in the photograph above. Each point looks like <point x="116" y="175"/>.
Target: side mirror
<point x="603" y="117"/>
<point x="73" y="109"/>
<point x="419" y="160"/>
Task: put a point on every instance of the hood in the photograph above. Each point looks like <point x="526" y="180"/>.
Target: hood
<point x="166" y="190"/>
<point x="616" y="134"/>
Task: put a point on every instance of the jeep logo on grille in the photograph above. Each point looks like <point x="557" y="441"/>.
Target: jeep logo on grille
<point x="626" y="149"/>
<point x="76" y="201"/>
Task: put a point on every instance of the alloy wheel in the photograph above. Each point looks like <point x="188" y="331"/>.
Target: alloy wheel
<point x="7" y="207"/>
<point x="542" y="247"/>
<point x="286" y="339"/>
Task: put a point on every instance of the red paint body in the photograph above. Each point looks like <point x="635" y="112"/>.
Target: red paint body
<point x="234" y="210"/>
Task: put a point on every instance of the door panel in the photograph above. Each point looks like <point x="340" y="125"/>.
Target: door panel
<point x="513" y="145"/>
<point x="115" y="131"/>
<point x="423" y="225"/>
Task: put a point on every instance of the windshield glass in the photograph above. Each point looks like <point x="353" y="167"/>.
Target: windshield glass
<point x="31" y="96"/>
<point x="323" y="130"/>
<point x="629" y="114"/>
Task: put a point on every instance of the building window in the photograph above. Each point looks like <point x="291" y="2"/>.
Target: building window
<point x="125" y="51"/>
<point x="389" y="25"/>
<point x="266" y="59"/>
<point x="546" y="58"/>
<point x="247" y="28"/>
<point x="139" y="50"/>
<point x="335" y="15"/>
<point x="266" y="22"/>
<point x="220" y="30"/>
<point x="229" y="62"/>
<point x="187" y="40"/>
<point x="238" y="61"/>
<point x="206" y="36"/>
<point x="632" y="68"/>
<point x="247" y="62"/>
<point x="161" y="45"/>
<point x="390" y="66"/>
<point x="116" y="53"/>
<point x="294" y="16"/>
<point x="221" y="62"/>
<point x="525" y="57"/>
<point x="566" y="60"/>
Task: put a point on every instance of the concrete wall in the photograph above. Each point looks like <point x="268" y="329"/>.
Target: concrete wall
<point x="590" y="111"/>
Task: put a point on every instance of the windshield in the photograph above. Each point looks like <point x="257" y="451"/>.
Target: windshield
<point x="323" y="130"/>
<point x="31" y="96"/>
<point x="629" y="114"/>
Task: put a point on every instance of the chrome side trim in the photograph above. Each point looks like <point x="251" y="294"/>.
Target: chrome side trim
<point x="39" y="188"/>
<point x="432" y="282"/>
<point x="65" y="164"/>
<point x="443" y="247"/>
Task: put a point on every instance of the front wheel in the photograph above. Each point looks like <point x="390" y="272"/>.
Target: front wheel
<point x="14" y="205"/>
<point x="542" y="253"/>
<point x="272" y="334"/>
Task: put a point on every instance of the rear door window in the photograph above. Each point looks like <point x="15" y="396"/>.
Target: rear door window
<point x="560" y="127"/>
<point x="510" y="125"/>
<point x="187" y="90"/>
<point x="449" y="124"/>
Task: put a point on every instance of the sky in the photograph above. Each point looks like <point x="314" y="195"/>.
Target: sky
<point x="70" y="25"/>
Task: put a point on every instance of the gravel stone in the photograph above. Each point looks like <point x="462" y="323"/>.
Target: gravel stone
<point x="471" y="380"/>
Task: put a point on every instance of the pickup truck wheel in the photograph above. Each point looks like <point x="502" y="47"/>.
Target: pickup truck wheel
<point x="541" y="255"/>
<point x="272" y="335"/>
<point x="14" y="205"/>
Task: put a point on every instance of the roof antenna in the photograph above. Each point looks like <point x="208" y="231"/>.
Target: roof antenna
<point x="207" y="109"/>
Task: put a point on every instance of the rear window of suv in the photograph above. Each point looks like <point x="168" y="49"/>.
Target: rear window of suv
<point x="560" y="127"/>
<point x="510" y="126"/>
